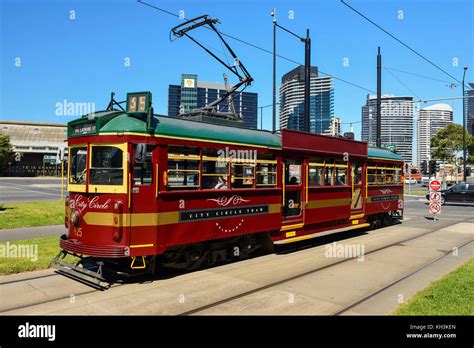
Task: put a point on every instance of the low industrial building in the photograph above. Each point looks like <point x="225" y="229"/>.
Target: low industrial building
<point x="35" y="146"/>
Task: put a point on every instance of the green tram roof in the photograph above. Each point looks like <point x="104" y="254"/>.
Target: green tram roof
<point x="379" y="153"/>
<point x="172" y="127"/>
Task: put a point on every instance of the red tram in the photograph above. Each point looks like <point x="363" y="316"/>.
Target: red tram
<point x="147" y="190"/>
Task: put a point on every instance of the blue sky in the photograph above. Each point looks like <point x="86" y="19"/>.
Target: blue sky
<point x="83" y="59"/>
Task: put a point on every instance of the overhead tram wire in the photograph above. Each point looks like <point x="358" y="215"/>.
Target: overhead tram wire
<point x="415" y="74"/>
<point x="401" y="82"/>
<point x="259" y="48"/>
<point x="401" y="42"/>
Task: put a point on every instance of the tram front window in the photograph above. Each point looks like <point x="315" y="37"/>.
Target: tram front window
<point x="77" y="165"/>
<point x="106" y="166"/>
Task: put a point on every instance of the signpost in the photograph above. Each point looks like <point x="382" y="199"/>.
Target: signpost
<point x="435" y="198"/>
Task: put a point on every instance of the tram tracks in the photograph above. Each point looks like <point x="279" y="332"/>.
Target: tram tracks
<point x="261" y="288"/>
<point x="319" y="269"/>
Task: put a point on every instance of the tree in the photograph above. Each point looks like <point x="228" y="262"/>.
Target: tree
<point x="6" y="153"/>
<point x="447" y="143"/>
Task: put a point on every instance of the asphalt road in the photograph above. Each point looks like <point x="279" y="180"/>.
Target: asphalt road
<point x="13" y="190"/>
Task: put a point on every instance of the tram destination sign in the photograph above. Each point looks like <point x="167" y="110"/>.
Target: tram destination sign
<point x="84" y="128"/>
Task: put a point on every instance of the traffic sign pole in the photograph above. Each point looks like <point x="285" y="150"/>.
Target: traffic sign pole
<point x="435" y="198"/>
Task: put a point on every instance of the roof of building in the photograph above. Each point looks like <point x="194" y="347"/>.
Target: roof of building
<point x="34" y="134"/>
<point x="439" y="107"/>
<point x="375" y="152"/>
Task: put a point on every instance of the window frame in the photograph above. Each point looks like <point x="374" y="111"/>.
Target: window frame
<point x="325" y="165"/>
<point x="127" y="177"/>
<point x="77" y="187"/>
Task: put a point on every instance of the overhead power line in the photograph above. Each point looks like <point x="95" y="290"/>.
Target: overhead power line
<point x="415" y="74"/>
<point x="401" y="82"/>
<point x="401" y="42"/>
<point x="259" y="48"/>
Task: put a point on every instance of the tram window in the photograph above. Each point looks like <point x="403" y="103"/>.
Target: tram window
<point x="215" y="170"/>
<point x="77" y="166"/>
<point x="107" y="166"/>
<point x="316" y="175"/>
<point x="357" y="173"/>
<point x="328" y="178"/>
<point x="397" y="177"/>
<point x="340" y="177"/>
<point x="266" y="170"/>
<point x="292" y="173"/>
<point x="143" y="165"/>
<point x="243" y="175"/>
<point x="183" y="168"/>
<point x="371" y="176"/>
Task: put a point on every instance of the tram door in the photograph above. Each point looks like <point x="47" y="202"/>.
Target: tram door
<point x="143" y="189"/>
<point x="358" y="188"/>
<point x="292" y="191"/>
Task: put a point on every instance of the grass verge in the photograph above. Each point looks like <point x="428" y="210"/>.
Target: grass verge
<point x="31" y="214"/>
<point x="37" y="253"/>
<point x="451" y="295"/>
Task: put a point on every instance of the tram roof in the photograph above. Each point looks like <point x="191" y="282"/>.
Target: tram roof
<point x="376" y="152"/>
<point x="172" y="127"/>
<point x="120" y="122"/>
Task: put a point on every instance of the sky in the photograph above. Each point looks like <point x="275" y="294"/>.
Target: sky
<point x="54" y="51"/>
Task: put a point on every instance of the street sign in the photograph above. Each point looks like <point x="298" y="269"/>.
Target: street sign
<point x="435" y="197"/>
<point x="49" y="159"/>
<point x="435" y="185"/>
<point x="435" y="208"/>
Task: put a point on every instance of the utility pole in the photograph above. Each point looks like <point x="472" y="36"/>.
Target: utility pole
<point x="378" y="142"/>
<point x="463" y="129"/>
<point x="452" y="86"/>
<point x="307" y="79"/>
<point x="307" y="70"/>
<point x="274" y="71"/>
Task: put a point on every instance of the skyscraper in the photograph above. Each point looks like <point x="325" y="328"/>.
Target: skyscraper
<point x="334" y="127"/>
<point x="469" y="103"/>
<point x="192" y="94"/>
<point x="292" y="101"/>
<point x="431" y="119"/>
<point x="397" y="123"/>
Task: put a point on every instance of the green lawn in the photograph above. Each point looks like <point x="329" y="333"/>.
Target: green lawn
<point x="451" y="295"/>
<point x="38" y="252"/>
<point x="31" y="214"/>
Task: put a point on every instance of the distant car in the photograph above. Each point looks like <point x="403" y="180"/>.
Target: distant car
<point x="410" y="181"/>
<point x="425" y="181"/>
<point x="462" y="192"/>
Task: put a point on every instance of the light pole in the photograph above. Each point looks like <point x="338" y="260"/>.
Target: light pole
<point x="261" y="113"/>
<point x="274" y="71"/>
<point x="452" y="86"/>
<point x="463" y="128"/>
<point x="307" y="70"/>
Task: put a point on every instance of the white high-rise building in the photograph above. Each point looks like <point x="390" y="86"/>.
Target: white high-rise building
<point x="397" y="123"/>
<point x="430" y="120"/>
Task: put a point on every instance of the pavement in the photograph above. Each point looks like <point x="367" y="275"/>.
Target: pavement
<point x="13" y="234"/>
<point x="14" y="190"/>
<point x="268" y="284"/>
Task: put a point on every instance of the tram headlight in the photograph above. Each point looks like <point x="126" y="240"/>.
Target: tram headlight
<point x="75" y="218"/>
